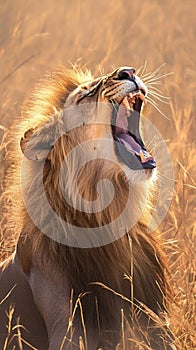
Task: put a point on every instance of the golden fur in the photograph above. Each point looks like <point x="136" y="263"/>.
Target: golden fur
<point x="137" y="252"/>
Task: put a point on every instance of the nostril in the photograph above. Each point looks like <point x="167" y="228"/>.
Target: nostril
<point x="133" y="70"/>
<point x="127" y="73"/>
<point x="123" y="75"/>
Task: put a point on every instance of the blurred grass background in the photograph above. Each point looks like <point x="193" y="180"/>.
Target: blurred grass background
<point x="38" y="35"/>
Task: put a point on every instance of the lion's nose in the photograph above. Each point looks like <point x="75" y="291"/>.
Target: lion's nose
<point x="126" y="73"/>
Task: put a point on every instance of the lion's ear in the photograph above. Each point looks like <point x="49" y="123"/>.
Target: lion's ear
<point x="35" y="146"/>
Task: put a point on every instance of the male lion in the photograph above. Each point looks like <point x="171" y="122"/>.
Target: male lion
<point x="85" y="260"/>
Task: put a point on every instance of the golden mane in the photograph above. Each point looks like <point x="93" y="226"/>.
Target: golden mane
<point x="46" y="99"/>
<point x="50" y="94"/>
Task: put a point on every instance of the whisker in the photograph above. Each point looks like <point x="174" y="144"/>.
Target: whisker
<point x="149" y="99"/>
<point x="154" y="104"/>
<point x="155" y="93"/>
<point x="147" y="76"/>
<point x="158" y="68"/>
<point x="143" y="68"/>
<point x="101" y="70"/>
<point x="163" y="99"/>
<point x="159" y="98"/>
<point x="145" y="65"/>
<point x="153" y="74"/>
<point x="138" y="70"/>
<point x="151" y="143"/>
<point x="154" y="83"/>
<point x="152" y="79"/>
<point x="158" y="77"/>
<point x="158" y="91"/>
<point x="153" y="88"/>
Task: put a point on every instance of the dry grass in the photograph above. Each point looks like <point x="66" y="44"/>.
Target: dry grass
<point x="35" y="36"/>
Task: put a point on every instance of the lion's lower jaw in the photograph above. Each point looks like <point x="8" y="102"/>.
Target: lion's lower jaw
<point x="143" y="175"/>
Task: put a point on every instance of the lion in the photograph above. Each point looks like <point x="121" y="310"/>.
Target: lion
<point x="85" y="262"/>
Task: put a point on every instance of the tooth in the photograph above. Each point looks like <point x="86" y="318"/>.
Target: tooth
<point x="143" y="157"/>
<point x="126" y="103"/>
<point x="141" y="96"/>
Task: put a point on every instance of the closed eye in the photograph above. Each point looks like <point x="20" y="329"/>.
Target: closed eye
<point x="89" y="91"/>
<point x="87" y="94"/>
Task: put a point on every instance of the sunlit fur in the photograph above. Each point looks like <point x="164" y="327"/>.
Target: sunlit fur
<point x="43" y="115"/>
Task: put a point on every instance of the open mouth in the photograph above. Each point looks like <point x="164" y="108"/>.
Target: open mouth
<point x="126" y="132"/>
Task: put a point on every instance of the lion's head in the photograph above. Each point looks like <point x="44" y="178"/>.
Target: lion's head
<point x="113" y="100"/>
<point x="85" y="139"/>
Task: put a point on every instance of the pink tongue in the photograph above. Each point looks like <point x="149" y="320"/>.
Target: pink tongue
<point x="129" y="142"/>
<point x="132" y="146"/>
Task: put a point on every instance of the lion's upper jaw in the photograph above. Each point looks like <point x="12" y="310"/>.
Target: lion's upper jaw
<point x="123" y="88"/>
<point x="104" y="91"/>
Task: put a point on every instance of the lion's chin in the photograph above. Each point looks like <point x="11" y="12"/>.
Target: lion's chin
<point x="125" y="127"/>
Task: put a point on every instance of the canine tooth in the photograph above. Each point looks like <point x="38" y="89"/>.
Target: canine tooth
<point x="142" y="157"/>
<point x="126" y="103"/>
<point x="141" y="96"/>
